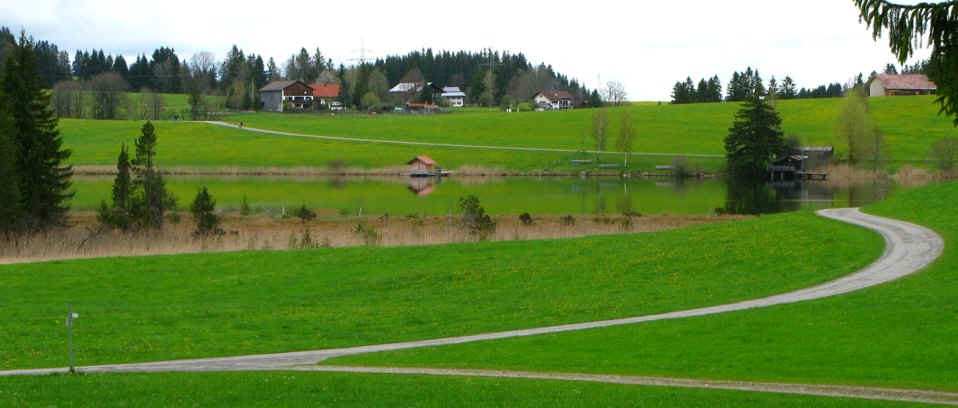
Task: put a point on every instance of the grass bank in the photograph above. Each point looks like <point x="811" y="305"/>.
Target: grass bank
<point x="901" y="334"/>
<point x="205" y="305"/>
<point x="254" y="389"/>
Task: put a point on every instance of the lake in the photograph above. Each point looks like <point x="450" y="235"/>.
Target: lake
<point x="499" y="196"/>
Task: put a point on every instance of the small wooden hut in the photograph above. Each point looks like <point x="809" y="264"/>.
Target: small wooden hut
<point x="422" y="165"/>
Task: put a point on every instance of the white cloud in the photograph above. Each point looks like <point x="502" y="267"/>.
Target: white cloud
<point x="645" y="45"/>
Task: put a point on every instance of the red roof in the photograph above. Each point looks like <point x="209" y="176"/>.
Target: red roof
<point x="424" y="159"/>
<point x="325" y="91"/>
<point x="907" y="82"/>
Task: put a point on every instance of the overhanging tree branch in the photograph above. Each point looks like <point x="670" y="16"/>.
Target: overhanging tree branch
<point x="908" y="24"/>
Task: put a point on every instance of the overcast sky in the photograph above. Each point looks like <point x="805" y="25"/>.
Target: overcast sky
<point x="645" y="45"/>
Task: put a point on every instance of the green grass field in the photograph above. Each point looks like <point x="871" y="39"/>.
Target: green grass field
<point x="254" y="389"/>
<point x="901" y="334"/>
<point x="505" y="196"/>
<point x="169" y="307"/>
<point x="203" y="146"/>
<point x="910" y="125"/>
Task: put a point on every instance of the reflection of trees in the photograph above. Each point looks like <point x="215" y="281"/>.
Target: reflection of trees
<point x="625" y="203"/>
<point x="751" y="197"/>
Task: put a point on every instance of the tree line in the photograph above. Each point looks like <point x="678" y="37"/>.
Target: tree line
<point x="747" y="84"/>
<point x="488" y="77"/>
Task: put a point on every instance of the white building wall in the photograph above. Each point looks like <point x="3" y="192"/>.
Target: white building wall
<point x="876" y="89"/>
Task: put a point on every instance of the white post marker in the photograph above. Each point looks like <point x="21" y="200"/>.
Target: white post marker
<point x="70" y="317"/>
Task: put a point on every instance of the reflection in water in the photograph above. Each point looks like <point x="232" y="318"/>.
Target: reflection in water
<point x="422" y="186"/>
<point x="745" y="197"/>
<point x="506" y="196"/>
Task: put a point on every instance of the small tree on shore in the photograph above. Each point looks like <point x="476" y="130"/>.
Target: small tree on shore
<point x="304" y="214"/>
<point x="474" y="218"/>
<point x="117" y="215"/>
<point x="600" y="129"/>
<point x="150" y="201"/>
<point x="755" y="139"/>
<point x="854" y="124"/>
<point x="203" y="207"/>
<point x="945" y="154"/>
<point x="626" y="136"/>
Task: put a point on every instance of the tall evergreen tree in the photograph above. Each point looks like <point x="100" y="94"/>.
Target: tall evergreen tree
<point x="150" y="200"/>
<point x="40" y="162"/>
<point x="117" y="214"/>
<point x="10" y="214"/>
<point x="755" y="139"/>
<point x="119" y="66"/>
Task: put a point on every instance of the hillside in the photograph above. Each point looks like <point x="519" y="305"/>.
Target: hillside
<point x="911" y="126"/>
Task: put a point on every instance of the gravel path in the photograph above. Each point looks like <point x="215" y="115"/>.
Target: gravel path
<point x="462" y="146"/>
<point x="909" y="248"/>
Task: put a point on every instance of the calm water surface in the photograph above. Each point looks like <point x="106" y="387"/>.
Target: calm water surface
<point x="515" y="195"/>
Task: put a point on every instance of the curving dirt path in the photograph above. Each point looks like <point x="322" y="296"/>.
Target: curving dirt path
<point x="909" y="248"/>
<point x="461" y="146"/>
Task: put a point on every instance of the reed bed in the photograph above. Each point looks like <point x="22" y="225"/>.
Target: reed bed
<point x="85" y="239"/>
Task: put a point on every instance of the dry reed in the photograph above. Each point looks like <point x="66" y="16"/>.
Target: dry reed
<point x="85" y="239"/>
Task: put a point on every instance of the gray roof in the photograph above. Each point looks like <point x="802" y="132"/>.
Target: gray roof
<point x="277" y="85"/>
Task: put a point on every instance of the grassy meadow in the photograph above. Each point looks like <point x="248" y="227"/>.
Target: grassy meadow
<point x="901" y="334"/>
<point x="201" y="146"/>
<point x="264" y="389"/>
<point x="910" y="124"/>
<point x="205" y="305"/>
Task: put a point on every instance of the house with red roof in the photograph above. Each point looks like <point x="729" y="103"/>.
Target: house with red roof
<point x="554" y="100"/>
<point x="906" y="84"/>
<point x="325" y="94"/>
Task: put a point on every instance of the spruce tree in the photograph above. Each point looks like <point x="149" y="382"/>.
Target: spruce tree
<point x="150" y="200"/>
<point x="207" y="222"/>
<point x="9" y="179"/>
<point x="43" y="177"/>
<point x="755" y="139"/>
<point x="118" y="214"/>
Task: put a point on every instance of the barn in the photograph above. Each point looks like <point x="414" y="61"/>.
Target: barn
<point x="278" y="96"/>
<point x="907" y="84"/>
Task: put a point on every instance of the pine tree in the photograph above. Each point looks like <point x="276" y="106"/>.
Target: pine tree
<point x="9" y="179"/>
<point x="150" y="200"/>
<point x="754" y="140"/>
<point x="203" y="207"/>
<point x="43" y="177"/>
<point x="118" y="215"/>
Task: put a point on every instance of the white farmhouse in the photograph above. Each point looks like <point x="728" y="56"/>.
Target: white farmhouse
<point x="455" y="97"/>
<point x="554" y="100"/>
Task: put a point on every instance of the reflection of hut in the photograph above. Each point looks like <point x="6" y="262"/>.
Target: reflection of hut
<point x="422" y="166"/>
<point x="422" y="186"/>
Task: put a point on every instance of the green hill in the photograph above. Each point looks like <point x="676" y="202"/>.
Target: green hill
<point x="910" y="124"/>
<point x="900" y="334"/>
